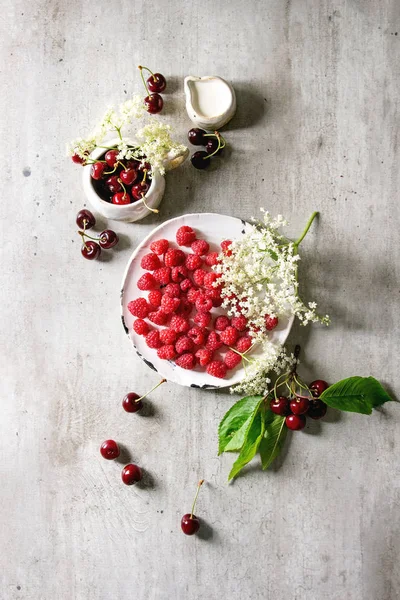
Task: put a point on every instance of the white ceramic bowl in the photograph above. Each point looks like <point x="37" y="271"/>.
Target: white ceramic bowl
<point x="214" y="228"/>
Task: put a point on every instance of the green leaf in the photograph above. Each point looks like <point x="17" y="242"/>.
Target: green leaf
<point x="234" y="425"/>
<point x="273" y="439"/>
<point x="252" y="440"/>
<point x="356" y="394"/>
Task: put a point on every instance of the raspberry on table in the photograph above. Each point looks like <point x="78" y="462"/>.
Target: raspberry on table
<point x="200" y="247"/>
<point x="202" y="319"/>
<point x="158" y="317"/>
<point x="221" y="323"/>
<point x="159" y="246"/>
<point x="168" y="336"/>
<point x="192" y="295"/>
<point x="169" y="304"/>
<point x="173" y="290"/>
<point x="211" y="259"/>
<point x="198" y="335"/>
<point x="210" y="279"/>
<point x="193" y="262"/>
<point x="243" y="344"/>
<point x="150" y="262"/>
<point x="162" y="275"/>
<point x="198" y="276"/>
<point x="154" y="298"/>
<point x="166" y="352"/>
<point x="186" y="361"/>
<point x="203" y="304"/>
<point x="140" y="327"/>
<point x="146" y="282"/>
<point x="139" y="308"/>
<point x="179" y="273"/>
<point x="217" y="368"/>
<point x="229" y="336"/>
<point x="204" y="356"/>
<point x="271" y="322"/>
<point x="239" y="323"/>
<point x="213" y="342"/>
<point x="185" y="236"/>
<point x="186" y="284"/>
<point x="153" y="339"/>
<point x="174" y="257"/>
<point x="184" y="344"/>
<point x="179" y="324"/>
<point x="232" y="359"/>
<point x="225" y="245"/>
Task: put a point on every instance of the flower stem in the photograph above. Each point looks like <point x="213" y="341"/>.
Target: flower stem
<point x="307" y="227"/>
<point x="195" y="498"/>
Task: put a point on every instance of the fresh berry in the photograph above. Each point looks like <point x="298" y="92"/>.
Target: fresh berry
<point x="225" y="246"/>
<point x="184" y="344"/>
<point x="111" y="157"/>
<point x="317" y="409"/>
<point x="185" y="236"/>
<point x="295" y="422"/>
<point x="186" y="284"/>
<point x="128" y="176"/>
<point x="159" y="246"/>
<point x="243" y="344"/>
<point x="78" y="160"/>
<point x="186" y="361"/>
<point x="212" y="259"/>
<point x="198" y="335"/>
<point x="215" y="297"/>
<point x="153" y="339"/>
<point x="146" y="282"/>
<point x="85" y="219"/>
<point x="131" y="474"/>
<point x="185" y="307"/>
<point x="154" y="298"/>
<point x="139" y="190"/>
<point x="192" y="295"/>
<point x="139" y="308"/>
<point x="299" y="406"/>
<point x="108" y="239"/>
<point x="132" y="403"/>
<point x="203" y="304"/>
<point x="190" y="524"/>
<point x="204" y="356"/>
<point x="113" y="184"/>
<point x="121" y="198"/>
<point x="213" y="145"/>
<point x="169" y="304"/>
<point x="173" y="290"/>
<point x="150" y="262"/>
<point x="221" y="323"/>
<point x="158" y="317"/>
<point x="168" y="336"/>
<point x="174" y="257"/>
<point x="200" y="247"/>
<point x="179" y="324"/>
<point x="198" y="276"/>
<point x="140" y="327"/>
<point x="317" y="387"/>
<point x="166" y="352"/>
<point x="232" y="359"/>
<point x="196" y="136"/>
<point x="90" y="250"/>
<point x="280" y="406"/>
<point x="200" y="160"/>
<point x="217" y="368"/>
<point x="162" y="275"/>
<point x="153" y="103"/>
<point x="156" y="83"/>
<point x="271" y="322"/>
<point x="193" y="262"/>
<point x="239" y="323"/>
<point x="202" y="319"/>
<point x="213" y="342"/>
<point x="97" y="170"/>
<point x="210" y="279"/>
<point x="179" y="273"/>
<point x="229" y="336"/>
<point x="109" y="450"/>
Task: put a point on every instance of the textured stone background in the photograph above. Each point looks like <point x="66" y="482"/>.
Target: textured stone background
<point x="317" y="128"/>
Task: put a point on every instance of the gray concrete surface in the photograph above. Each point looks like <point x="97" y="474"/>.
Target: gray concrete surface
<point x="317" y="128"/>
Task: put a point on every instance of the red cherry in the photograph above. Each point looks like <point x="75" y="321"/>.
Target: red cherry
<point x="108" y="239"/>
<point x="280" y="406"/>
<point x="85" y="217"/>
<point x="121" y="198"/>
<point x="77" y="159"/>
<point x="131" y="474"/>
<point x="113" y="184"/>
<point x="299" y="406"/>
<point x="295" y="422"/>
<point x="109" y="450"/>
<point x="317" y="409"/>
<point x="153" y="103"/>
<point x="144" y="167"/>
<point x="97" y="170"/>
<point x="111" y="157"/>
<point x="90" y="250"/>
<point x="156" y="83"/>
<point x="131" y="404"/>
<point x="190" y="524"/>
<point x="139" y="190"/>
<point x="128" y="176"/>
<point x="317" y="387"/>
<point x="270" y="322"/>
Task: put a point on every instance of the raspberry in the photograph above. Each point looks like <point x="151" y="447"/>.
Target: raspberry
<point x="225" y="247"/>
<point x="179" y="273"/>
<point x="159" y="246"/>
<point x="213" y="342"/>
<point x="139" y="308"/>
<point x="179" y="324"/>
<point x="173" y="290"/>
<point x="239" y="323"/>
<point x="192" y="295"/>
<point x="232" y="359"/>
<point x="202" y="319"/>
<point x="270" y="322"/>
<point x="185" y="236"/>
<point x="221" y="323"/>
<point x="140" y="327"/>
<point x="184" y="344"/>
<point x="210" y="279"/>
<point x="211" y="259"/>
<point x="229" y="336"/>
<point x="154" y="298"/>
<point x="158" y="317"/>
<point x="198" y="335"/>
<point x="146" y="282"/>
<point x="198" y="276"/>
<point x="193" y="262"/>
<point x="186" y="284"/>
<point x="185" y="308"/>
<point x="203" y="304"/>
<point x="150" y="262"/>
<point x="216" y="368"/>
<point x="174" y="257"/>
<point x="215" y="297"/>
<point x="243" y="344"/>
<point x="162" y="275"/>
<point x="204" y="356"/>
<point x="153" y="339"/>
<point x="166" y="352"/>
<point x="169" y="304"/>
<point x="200" y="247"/>
<point x="168" y="336"/>
<point x="186" y="361"/>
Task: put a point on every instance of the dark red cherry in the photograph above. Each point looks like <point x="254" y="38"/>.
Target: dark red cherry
<point x="111" y="157"/>
<point x="200" y="160"/>
<point x="90" y="250"/>
<point x="156" y="83"/>
<point x="144" y="167"/>
<point x="85" y="219"/>
<point x="196" y="136"/>
<point x="97" y="170"/>
<point x="77" y="159"/>
<point x="131" y="474"/>
<point x="121" y="198"/>
<point x="295" y="422"/>
<point x="131" y="403"/>
<point x="139" y="190"/>
<point x="108" y="239"/>
<point x="212" y="145"/>
<point x="317" y="409"/>
<point x="280" y="406"/>
<point x="128" y="176"/>
<point x="190" y="524"/>
<point x="109" y="450"/>
<point x="317" y="387"/>
<point x="153" y="103"/>
<point x="113" y="184"/>
<point x="299" y="406"/>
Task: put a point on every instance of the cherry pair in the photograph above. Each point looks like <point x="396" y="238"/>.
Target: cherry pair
<point x="130" y="473"/>
<point x="156" y="83"/>
<point x="91" y="249"/>
<point x="214" y="144"/>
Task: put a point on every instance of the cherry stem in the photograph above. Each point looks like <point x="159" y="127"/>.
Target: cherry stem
<point x="154" y="210"/>
<point x="307" y="227"/>
<point x="219" y="138"/>
<point x="152" y="390"/>
<point x="147" y="69"/>
<point x="123" y="187"/>
<point x="83" y="234"/>
<point x="195" y="498"/>
<point x="142" y="76"/>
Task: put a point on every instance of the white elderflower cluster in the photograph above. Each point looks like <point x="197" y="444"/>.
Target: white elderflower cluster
<point x="157" y="145"/>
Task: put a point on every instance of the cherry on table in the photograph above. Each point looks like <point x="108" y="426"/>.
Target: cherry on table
<point x="190" y="524"/>
<point x="200" y="160"/>
<point x="212" y="146"/>
<point x="153" y="103"/>
<point x="113" y="184"/>
<point x="109" y="450"/>
<point x="131" y="403"/>
<point x="299" y="406"/>
<point x="196" y="136"/>
<point x="280" y="406"/>
<point x="97" y="170"/>
<point x="128" y="176"/>
<point x="131" y="474"/>
<point x="295" y="422"/>
<point x="108" y="239"/>
<point x="317" y="409"/>
<point x="90" y="250"/>
<point x="111" y="157"/>
<point x="85" y="219"/>
<point x="139" y="190"/>
<point x="317" y="387"/>
<point x="121" y="198"/>
<point x="156" y="82"/>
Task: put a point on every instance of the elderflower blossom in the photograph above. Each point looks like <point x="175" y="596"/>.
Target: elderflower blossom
<point x="157" y="144"/>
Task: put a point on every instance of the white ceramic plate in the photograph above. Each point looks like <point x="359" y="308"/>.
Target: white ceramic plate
<point x="214" y="228"/>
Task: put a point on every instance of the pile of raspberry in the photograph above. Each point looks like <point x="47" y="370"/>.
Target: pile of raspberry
<point x="182" y="293"/>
